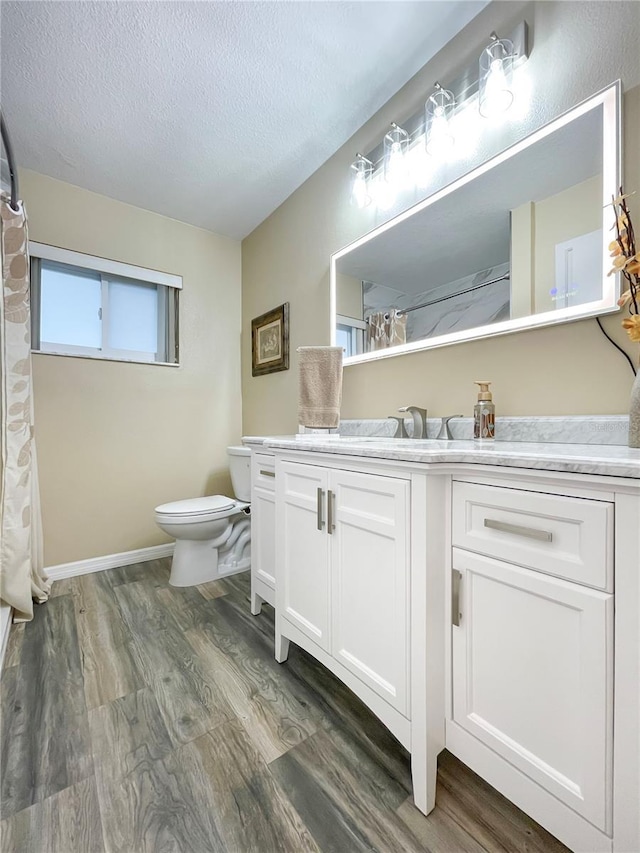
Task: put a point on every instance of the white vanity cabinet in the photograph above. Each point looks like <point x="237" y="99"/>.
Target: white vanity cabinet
<point x="343" y="579"/>
<point x="532" y="653"/>
<point x="477" y="606"/>
<point x="263" y="522"/>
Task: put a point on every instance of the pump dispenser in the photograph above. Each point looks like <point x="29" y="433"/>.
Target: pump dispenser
<point x="484" y="413"/>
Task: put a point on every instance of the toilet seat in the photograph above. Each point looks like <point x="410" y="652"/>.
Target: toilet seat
<point x="198" y="509"/>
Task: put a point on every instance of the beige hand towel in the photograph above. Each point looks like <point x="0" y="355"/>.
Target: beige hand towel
<point x="320" y="390"/>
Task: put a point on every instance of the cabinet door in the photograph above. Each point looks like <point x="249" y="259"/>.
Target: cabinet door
<point x="532" y="669"/>
<point x="263" y="535"/>
<point x="302" y="549"/>
<point x="370" y="580"/>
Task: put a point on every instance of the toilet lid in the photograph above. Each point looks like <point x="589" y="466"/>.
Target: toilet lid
<point x="196" y="506"/>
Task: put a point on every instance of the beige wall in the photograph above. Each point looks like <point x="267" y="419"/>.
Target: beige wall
<point x="578" y="48"/>
<point x="114" y="439"/>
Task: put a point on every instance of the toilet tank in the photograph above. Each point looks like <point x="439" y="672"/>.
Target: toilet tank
<point x="240" y="468"/>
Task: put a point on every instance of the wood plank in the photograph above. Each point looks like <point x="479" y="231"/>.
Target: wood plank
<point x="343" y="807"/>
<point x="14" y="645"/>
<point x="67" y="822"/>
<point x="156" y="808"/>
<point x="187" y="606"/>
<point x="335" y="707"/>
<point x="64" y="586"/>
<point x="211" y="590"/>
<point x="190" y="703"/>
<point x="108" y="665"/>
<point x="46" y="744"/>
<point x="155" y="572"/>
<point x="495" y="822"/>
<point x="254" y="687"/>
<point x="359" y="789"/>
<point x="158" y="643"/>
<point x="251" y="811"/>
<point x="121" y="727"/>
<point x="438" y="832"/>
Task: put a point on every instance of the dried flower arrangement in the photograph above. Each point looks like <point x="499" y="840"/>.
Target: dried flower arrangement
<point x="626" y="259"/>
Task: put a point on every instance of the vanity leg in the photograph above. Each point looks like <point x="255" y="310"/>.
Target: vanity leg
<point x="424" y="775"/>
<point x="282" y="646"/>
<point x="256" y="603"/>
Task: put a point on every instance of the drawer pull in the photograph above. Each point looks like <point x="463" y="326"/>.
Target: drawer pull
<point x="456" y="577"/>
<point x="319" y="520"/>
<point x="330" y="510"/>
<point x="518" y="530"/>
<point x="267" y="473"/>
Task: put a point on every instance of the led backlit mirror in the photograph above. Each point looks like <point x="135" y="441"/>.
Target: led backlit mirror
<point x="521" y="241"/>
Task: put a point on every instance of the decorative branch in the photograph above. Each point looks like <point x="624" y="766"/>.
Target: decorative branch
<point x="626" y="260"/>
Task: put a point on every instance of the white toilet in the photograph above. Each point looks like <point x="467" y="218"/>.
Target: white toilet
<point x="213" y="534"/>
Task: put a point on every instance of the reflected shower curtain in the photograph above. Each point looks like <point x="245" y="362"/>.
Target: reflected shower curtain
<point x="21" y="557"/>
<point x="386" y="329"/>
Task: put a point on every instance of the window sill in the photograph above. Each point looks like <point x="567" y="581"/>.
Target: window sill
<point x="105" y="358"/>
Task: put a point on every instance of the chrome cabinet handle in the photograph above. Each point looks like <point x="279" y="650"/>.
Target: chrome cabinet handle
<point x="456" y="616"/>
<point x="319" y="518"/>
<point x="518" y="530"/>
<point x="267" y="473"/>
<point x="330" y="509"/>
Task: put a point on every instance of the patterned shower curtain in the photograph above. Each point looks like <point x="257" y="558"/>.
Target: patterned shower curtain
<point x="21" y="557"/>
<point x="386" y="329"/>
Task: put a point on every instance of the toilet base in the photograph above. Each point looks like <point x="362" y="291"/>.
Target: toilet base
<point x="195" y="562"/>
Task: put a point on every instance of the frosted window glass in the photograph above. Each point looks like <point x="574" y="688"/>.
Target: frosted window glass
<point x="70" y="306"/>
<point x="133" y="316"/>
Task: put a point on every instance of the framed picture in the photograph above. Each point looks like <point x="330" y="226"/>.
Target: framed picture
<point x="270" y="341"/>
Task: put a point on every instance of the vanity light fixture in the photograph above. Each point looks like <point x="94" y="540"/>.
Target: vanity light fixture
<point x="396" y="145"/>
<point x="362" y="171"/>
<point x="495" y="83"/>
<point x="438" y="112"/>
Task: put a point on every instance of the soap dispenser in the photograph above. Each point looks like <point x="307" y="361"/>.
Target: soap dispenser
<point x="484" y="413"/>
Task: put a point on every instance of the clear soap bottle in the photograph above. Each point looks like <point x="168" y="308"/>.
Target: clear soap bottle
<point x="484" y="414"/>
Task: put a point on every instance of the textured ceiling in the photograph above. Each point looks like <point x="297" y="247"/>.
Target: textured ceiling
<point x="212" y="113"/>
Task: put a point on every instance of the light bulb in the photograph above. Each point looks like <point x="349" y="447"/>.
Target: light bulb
<point x="359" y="194"/>
<point x="396" y="143"/>
<point x="363" y="170"/>
<point x="439" y="110"/>
<point x="496" y="73"/>
<point x="498" y="96"/>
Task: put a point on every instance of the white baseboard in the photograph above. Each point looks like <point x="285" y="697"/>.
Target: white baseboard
<point x="5" y="626"/>
<point x="110" y="561"/>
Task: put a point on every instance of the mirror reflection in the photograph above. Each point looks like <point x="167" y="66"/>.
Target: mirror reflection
<point x="519" y="243"/>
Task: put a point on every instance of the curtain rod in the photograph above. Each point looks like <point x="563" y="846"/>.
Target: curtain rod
<point x="13" y="172"/>
<point x="504" y="277"/>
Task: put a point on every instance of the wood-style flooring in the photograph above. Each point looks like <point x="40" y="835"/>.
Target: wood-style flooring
<point x="141" y="717"/>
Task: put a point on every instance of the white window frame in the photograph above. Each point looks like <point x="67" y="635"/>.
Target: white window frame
<point x="109" y="272"/>
<point x="357" y="327"/>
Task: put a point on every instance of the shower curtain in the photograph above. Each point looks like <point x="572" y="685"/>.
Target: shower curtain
<point x="386" y="329"/>
<point x="21" y="556"/>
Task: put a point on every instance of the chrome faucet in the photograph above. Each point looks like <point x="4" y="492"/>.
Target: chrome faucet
<point x="419" y="420"/>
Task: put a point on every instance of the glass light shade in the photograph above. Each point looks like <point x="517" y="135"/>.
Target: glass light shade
<point x="396" y="145"/>
<point x="438" y="110"/>
<point x="362" y="170"/>
<point x="496" y="77"/>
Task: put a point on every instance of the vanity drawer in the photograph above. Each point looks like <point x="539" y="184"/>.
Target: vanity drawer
<point x="264" y="471"/>
<point x="569" y="538"/>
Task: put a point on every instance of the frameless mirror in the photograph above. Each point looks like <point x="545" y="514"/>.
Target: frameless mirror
<point x="521" y="241"/>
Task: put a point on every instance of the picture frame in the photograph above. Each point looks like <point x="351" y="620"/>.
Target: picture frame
<point x="270" y="341"/>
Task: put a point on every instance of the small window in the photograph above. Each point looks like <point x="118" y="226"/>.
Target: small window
<point x="350" y="335"/>
<point x="80" y="311"/>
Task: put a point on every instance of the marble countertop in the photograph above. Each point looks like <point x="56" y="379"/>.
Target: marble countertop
<point x="604" y="460"/>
